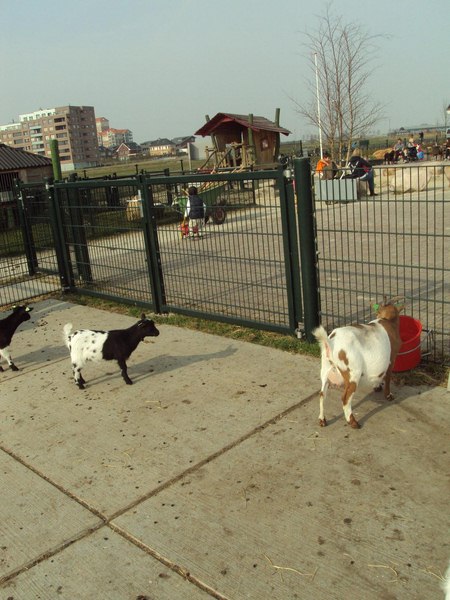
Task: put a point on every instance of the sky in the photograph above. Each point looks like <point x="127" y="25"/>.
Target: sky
<point x="158" y="67"/>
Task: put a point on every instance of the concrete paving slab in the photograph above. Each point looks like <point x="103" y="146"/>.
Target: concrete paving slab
<point x="211" y="475"/>
<point x="35" y="518"/>
<point x="299" y="512"/>
<point x="104" y="566"/>
<point x="111" y="444"/>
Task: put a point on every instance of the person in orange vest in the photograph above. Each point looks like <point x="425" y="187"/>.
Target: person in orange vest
<point x="322" y="163"/>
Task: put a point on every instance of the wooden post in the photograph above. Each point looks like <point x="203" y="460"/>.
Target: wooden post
<point x="56" y="162"/>
<point x="213" y="137"/>
<point x="251" y="144"/>
<point x="277" y="143"/>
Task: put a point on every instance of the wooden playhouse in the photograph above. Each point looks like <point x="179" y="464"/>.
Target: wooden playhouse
<point x="242" y="141"/>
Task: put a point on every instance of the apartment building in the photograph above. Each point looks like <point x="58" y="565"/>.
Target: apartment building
<point x="73" y="126"/>
<point x="110" y="137"/>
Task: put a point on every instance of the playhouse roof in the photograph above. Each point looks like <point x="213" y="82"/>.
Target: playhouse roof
<point x="14" y="158"/>
<point x="259" y="124"/>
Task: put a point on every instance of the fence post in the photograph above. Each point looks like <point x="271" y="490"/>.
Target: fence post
<point x="308" y="250"/>
<point x="79" y="233"/>
<point x="27" y="231"/>
<point x="56" y="162"/>
<point x="290" y="243"/>
<point x="152" y="245"/>
<point x="64" y="266"/>
<point x="168" y="188"/>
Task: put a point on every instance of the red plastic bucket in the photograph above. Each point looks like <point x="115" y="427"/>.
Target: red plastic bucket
<point x="409" y="353"/>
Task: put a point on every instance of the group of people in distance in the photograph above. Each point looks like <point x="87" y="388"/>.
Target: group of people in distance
<point x="358" y="168"/>
<point x="405" y="152"/>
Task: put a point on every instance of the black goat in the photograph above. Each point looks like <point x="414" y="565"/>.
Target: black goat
<point x="118" y="344"/>
<point x="8" y="327"/>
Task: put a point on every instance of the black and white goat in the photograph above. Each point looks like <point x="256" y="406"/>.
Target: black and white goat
<point x="118" y="344"/>
<point x="357" y="352"/>
<point x="8" y="327"/>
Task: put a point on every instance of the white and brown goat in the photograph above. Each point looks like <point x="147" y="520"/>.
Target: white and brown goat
<point x="359" y="352"/>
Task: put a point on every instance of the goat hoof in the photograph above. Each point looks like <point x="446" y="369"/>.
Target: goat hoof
<point x="81" y="386"/>
<point x="128" y="382"/>
<point x="323" y="422"/>
<point x="13" y="367"/>
<point x="1" y="369"/>
<point x="389" y="397"/>
<point x="354" y="423"/>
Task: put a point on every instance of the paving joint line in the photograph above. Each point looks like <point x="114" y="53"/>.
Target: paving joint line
<point x="168" y="563"/>
<point x="108" y="521"/>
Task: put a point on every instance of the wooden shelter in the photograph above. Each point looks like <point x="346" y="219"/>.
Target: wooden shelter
<point x="23" y="165"/>
<point x="243" y="140"/>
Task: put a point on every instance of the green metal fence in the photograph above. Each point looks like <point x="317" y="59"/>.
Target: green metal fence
<point x="28" y="258"/>
<point x="268" y="259"/>
<point x="122" y="239"/>
<point x="131" y="247"/>
<point x="394" y="244"/>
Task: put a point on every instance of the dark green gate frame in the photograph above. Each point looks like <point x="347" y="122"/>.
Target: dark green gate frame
<point x="73" y="205"/>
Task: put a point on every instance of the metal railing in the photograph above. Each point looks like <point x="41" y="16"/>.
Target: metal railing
<point x="394" y="244"/>
<point x="277" y="261"/>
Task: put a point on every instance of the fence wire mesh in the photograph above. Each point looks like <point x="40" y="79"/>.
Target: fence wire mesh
<point x="237" y="268"/>
<point x="394" y="244"/>
<point x="28" y="261"/>
<point x="123" y="239"/>
<point x="106" y="248"/>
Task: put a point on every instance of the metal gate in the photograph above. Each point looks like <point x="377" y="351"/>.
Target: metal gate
<point x="122" y="240"/>
<point x="275" y="262"/>
<point x="28" y="254"/>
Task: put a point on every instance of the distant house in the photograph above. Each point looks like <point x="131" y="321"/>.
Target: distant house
<point x="257" y="138"/>
<point x="127" y="151"/>
<point x="114" y="137"/>
<point x="181" y="143"/>
<point x="160" y="147"/>
<point x="105" y="153"/>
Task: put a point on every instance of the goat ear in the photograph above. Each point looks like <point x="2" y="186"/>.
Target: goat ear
<point x="28" y="308"/>
<point x="142" y="317"/>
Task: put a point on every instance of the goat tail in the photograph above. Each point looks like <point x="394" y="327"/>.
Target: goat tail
<point x="322" y="337"/>
<point x="67" y="331"/>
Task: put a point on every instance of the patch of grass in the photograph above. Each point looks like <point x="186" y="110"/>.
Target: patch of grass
<point x="175" y="165"/>
<point x="269" y="339"/>
<point x="433" y="374"/>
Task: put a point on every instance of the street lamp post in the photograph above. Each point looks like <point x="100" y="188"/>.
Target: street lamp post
<point x="318" y="106"/>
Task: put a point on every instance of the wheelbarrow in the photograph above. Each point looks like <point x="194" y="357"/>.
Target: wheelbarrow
<point x="209" y="193"/>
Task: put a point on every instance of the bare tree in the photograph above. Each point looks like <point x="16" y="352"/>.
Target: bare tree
<point x="344" y="53"/>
